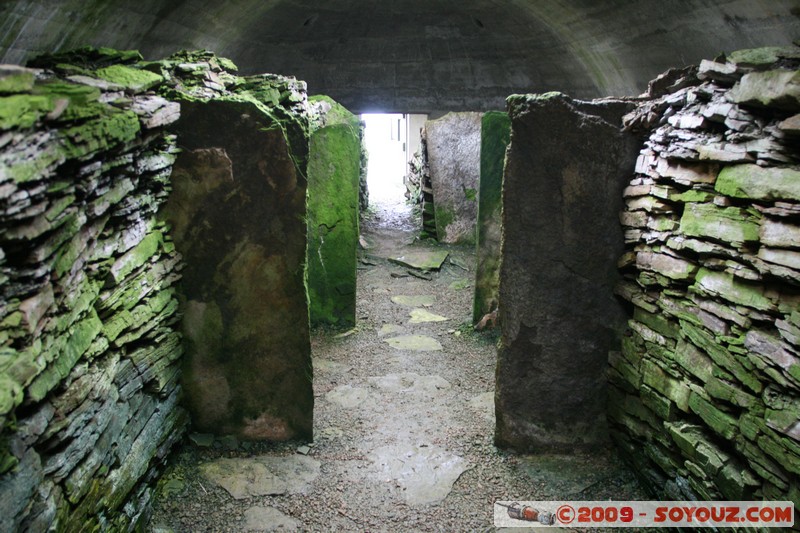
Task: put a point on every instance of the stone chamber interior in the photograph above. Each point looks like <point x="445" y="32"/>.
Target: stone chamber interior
<point x="182" y="228"/>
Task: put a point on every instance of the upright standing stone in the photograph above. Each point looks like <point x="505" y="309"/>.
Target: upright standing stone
<point x="495" y="136"/>
<point x="237" y="214"/>
<point x="562" y="190"/>
<point x="453" y="143"/>
<point x="333" y="201"/>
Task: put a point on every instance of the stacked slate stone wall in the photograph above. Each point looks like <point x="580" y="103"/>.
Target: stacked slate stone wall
<point x="95" y="294"/>
<point x="89" y="346"/>
<point x="705" y="393"/>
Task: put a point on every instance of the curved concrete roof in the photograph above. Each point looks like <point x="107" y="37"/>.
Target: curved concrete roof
<point x="417" y="55"/>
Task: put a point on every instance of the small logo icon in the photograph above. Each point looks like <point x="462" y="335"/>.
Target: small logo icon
<point x="565" y="514"/>
<point x="528" y="514"/>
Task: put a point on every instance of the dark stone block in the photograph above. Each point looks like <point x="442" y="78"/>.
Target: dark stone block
<point x="566" y="167"/>
<point x="237" y="212"/>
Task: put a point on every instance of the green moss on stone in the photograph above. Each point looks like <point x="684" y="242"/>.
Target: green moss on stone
<point x="23" y="110"/>
<point x="15" y="80"/>
<point x="333" y="187"/>
<point x="758" y="183"/>
<point x="722" y="423"/>
<point x="133" y="79"/>
<point x="726" y="224"/>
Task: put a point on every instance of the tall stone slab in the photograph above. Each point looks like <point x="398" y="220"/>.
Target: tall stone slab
<point x="454" y="144"/>
<point x="237" y="214"/>
<point x="333" y="205"/>
<point x="562" y="191"/>
<point x="495" y="136"/>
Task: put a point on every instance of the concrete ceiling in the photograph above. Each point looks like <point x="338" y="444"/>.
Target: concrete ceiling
<point x="417" y="55"/>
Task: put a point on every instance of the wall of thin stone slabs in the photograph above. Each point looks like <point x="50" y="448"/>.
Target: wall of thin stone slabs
<point x="565" y="170"/>
<point x="453" y="145"/>
<point x="237" y="213"/>
<point x="705" y="397"/>
<point x="91" y="295"/>
<point x="333" y="213"/>
<point x="495" y="136"/>
<point x="89" y="344"/>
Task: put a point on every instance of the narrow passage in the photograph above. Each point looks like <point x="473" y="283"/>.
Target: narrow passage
<point x="403" y="422"/>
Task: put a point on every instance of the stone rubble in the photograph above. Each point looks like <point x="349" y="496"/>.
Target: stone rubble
<point x="705" y="397"/>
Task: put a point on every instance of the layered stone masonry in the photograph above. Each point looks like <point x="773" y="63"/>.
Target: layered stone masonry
<point x="706" y="390"/>
<point x="89" y="346"/>
<point x="90" y="342"/>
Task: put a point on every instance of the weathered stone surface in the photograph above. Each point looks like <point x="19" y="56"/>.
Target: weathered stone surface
<point x="424" y="300"/>
<point x="87" y="301"/>
<point x="422" y="260"/>
<point x="262" y="475"/>
<point x="347" y="396"/>
<point x="454" y="143"/>
<point x="718" y="359"/>
<point x="333" y="196"/>
<point x="727" y="224"/>
<point x="425" y="474"/>
<point x="236" y="212"/>
<point x="269" y="519"/>
<point x="419" y="316"/>
<point x="417" y="343"/>
<point x="565" y="171"/>
<point x="778" y="89"/>
<point x="495" y="136"/>
<point x="757" y="183"/>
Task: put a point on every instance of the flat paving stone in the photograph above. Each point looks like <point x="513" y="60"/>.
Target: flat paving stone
<point x="425" y="474"/>
<point x="262" y="475"/>
<point x="421" y="259"/>
<point x="347" y="396"/>
<point x="390" y="329"/>
<point x="417" y="343"/>
<point x="269" y="519"/>
<point x="410" y="382"/>
<point x="421" y="300"/>
<point x="421" y="316"/>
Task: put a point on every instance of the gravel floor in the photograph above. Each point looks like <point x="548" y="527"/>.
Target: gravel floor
<point x="370" y="405"/>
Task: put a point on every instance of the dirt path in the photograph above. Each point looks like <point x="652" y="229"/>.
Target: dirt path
<point x="403" y="437"/>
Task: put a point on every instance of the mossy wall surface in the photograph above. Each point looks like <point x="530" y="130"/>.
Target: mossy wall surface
<point x="237" y="215"/>
<point x="705" y="397"/>
<point x="89" y="341"/>
<point x="495" y="136"/>
<point x="90" y="330"/>
<point x="333" y="208"/>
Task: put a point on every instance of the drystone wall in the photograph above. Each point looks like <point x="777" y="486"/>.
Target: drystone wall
<point x="495" y="136"/>
<point x="565" y="170"/>
<point x="112" y="229"/>
<point x="333" y="207"/>
<point x="453" y="145"/>
<point x="89" y="345"/>
<point x="706" y="389"/>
